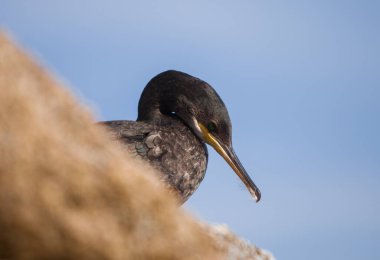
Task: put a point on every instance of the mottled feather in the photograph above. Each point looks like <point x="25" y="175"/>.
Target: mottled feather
<point x="172" y="149"/>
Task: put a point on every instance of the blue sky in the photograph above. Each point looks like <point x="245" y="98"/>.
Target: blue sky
<point x="301" y="80"/>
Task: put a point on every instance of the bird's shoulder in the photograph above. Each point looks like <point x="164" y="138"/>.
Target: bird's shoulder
<point x="128" y="129"/>
<point x="144" y="139"/>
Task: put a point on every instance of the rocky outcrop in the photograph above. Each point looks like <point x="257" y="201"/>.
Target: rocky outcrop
<point x="66" y="192"/>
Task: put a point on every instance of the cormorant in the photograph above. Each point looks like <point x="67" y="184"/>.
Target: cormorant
<point x="177" y="115"/>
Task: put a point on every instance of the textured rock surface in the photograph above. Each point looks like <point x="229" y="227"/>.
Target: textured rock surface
<point x="235" y="247"/>
<point x="66" y="192"/>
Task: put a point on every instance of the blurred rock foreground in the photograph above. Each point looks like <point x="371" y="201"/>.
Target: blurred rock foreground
<point x="66" y="192"/>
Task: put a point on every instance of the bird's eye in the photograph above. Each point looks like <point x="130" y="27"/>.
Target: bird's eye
<point x="211" y="126"/>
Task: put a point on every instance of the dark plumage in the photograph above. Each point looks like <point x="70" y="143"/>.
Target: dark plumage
<point x="177" y="115"/>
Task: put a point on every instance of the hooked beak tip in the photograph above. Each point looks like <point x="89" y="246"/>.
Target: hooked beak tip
<point x="257" y="195"/>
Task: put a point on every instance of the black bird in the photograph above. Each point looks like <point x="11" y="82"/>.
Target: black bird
<point x="177" y="115"/>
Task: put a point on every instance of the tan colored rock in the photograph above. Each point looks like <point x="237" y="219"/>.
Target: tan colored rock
<point x="237" y="248"/>
<point x="67" y="192"/>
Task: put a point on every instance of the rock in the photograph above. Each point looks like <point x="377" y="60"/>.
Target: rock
<point x="237" y="248"/>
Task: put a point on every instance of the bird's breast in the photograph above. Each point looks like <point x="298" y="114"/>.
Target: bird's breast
<point x="181" y="159"/>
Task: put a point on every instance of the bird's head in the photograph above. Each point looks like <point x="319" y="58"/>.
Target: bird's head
<point x="198" y="105"/>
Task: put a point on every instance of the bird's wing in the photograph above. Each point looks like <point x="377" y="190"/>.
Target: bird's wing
<point x="138" y="138"/>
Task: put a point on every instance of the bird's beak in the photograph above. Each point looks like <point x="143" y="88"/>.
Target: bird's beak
<point x="229" y="155"/>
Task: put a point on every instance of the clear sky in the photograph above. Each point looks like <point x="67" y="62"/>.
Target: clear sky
<point x="301" y="80"/>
